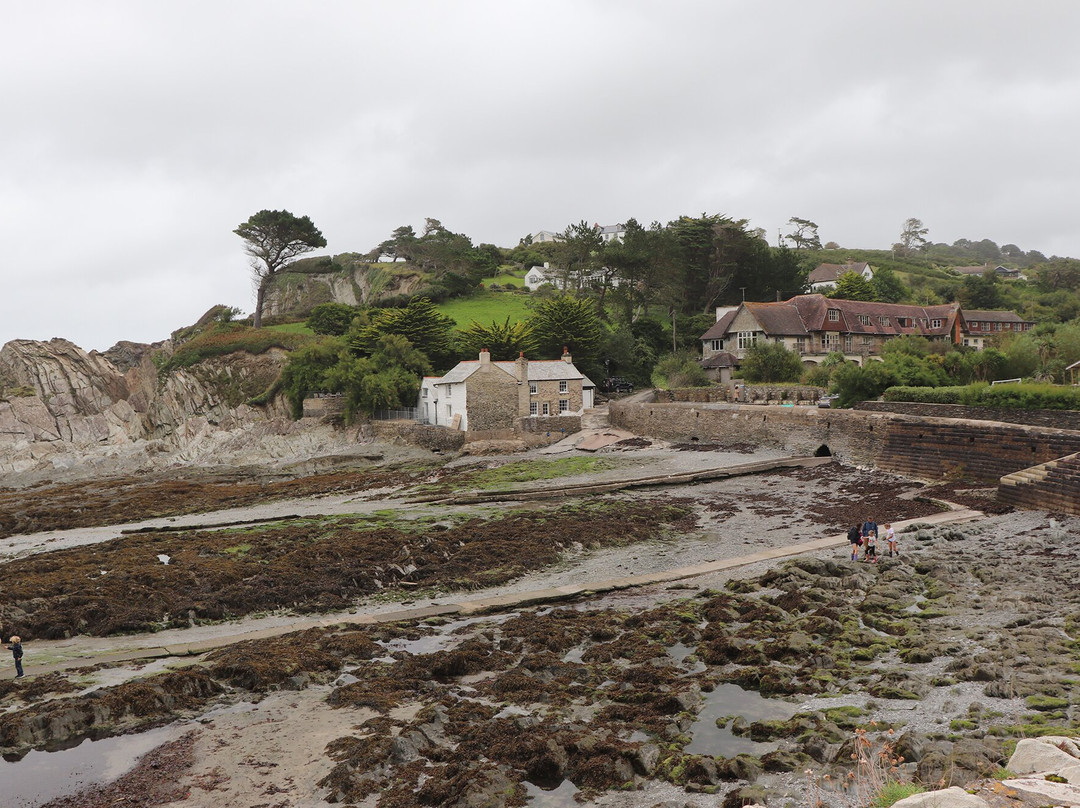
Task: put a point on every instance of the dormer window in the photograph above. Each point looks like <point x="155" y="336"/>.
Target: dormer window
<point x="834" y="315"/>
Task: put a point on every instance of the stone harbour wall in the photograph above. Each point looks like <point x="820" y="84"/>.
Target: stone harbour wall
<point x="923" y="448"/>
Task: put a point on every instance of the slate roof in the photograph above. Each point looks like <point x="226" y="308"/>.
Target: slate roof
<point x="720" y="359"/>
<point x="993" y="316"/>
<point x="541" y="370"/>
<point x="720" y="327"/>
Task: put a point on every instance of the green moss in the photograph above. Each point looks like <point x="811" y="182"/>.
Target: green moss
<point x="962" y="724"/>
<point x="1046" y="703"/>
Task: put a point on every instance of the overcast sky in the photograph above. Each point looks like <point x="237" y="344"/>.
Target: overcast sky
<point x="135" y="136"/>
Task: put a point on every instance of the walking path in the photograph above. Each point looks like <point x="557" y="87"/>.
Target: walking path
<point x="82" y="656"/>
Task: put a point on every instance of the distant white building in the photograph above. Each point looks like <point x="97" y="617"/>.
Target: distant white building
<point x="824" y="277"/>
<point x="611" y="232"/>
<point x="538" y="276"/>
<point x="542" y="236"/>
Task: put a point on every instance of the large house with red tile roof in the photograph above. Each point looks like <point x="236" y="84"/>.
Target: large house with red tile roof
<point x="814" y="326"/>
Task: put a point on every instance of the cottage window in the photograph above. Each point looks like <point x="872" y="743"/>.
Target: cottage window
<point x="997" y="326"/>
<point x="747" y="339"/>
<point x="834" y="315"/>
<point x="532" y="388"/>
<point x="563" y="388"/>
<point x="534" y="408"/>
<point x="564" y="405"/>
<point x="423" y="393"/>
<point x="849" y="343"/>
<point x="935" y="323"/>
<point x="800" y="344"/>
<point x="547" y="409"/>
<point x="883" y="320"/>
<point x="867" y="342"/>
<point x="717" y="345"/>
<point x="449" y="410"/>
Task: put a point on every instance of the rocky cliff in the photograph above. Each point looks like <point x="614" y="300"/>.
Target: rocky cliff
<point x="347" y="279"/>
<point x="64" y="408"/>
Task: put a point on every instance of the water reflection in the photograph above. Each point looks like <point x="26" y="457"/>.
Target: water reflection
<point x="732" y="700"/>
<point x="43" y="776"/>
<point x="561" y="797"/>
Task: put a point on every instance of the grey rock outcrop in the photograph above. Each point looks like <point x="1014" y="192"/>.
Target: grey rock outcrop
<point x="62" y="407"/>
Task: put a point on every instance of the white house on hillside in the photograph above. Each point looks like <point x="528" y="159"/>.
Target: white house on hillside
<point x="824" y="277"/>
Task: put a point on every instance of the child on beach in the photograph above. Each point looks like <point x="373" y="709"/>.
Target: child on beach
<point x="871" y="547"/>
<point x="890" y="539"/>
<point x="15" y="647"/>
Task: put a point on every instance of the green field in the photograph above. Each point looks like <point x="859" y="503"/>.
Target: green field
<point x="291" y="328"/>
<point x="487" y="307"/>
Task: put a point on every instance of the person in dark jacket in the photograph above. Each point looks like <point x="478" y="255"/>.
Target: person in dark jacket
<point x="15" y="646"/>
<point x="854" y="536"/>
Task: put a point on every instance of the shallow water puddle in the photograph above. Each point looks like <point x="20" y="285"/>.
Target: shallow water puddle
<point x="443" y="639"/>
<point x="560" y="797"/>
<point x="732" y="700"/>
<point x="43" y="776"/>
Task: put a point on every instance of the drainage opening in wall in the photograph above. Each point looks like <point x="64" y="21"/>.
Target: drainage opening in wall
<point x="823" y="451"/>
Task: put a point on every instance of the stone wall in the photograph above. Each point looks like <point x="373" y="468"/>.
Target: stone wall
<point x="1055" y="419"/>
<point x="556" y="425"/>
<point x="426" y="436"/>
<point x="1054" y="487"/>
<point x="924" y="448"/>
<point x="491" y="398"/>
<point x="737" y="392"/>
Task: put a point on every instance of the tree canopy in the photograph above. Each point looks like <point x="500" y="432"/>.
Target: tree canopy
<point x="273" y="239"/>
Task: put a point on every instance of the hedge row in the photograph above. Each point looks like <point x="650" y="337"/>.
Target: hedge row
<point x="1009" y="396"/>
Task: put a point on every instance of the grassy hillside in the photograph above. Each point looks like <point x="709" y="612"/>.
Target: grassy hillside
<point x="486" y="307"/>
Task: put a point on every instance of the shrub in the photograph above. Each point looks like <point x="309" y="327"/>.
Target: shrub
<point x="1006" y="396"/>
<point x="771" y="362"/>
<point x="680" y="369"/>
<point x="227" y="338"/>
<point x="333" y="319"/>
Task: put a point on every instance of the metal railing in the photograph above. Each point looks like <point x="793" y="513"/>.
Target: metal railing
<point x="407" y="414"/>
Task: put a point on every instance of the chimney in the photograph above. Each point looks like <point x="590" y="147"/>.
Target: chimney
<point x="566" y="357"/>
<point x="521" y="368"/>
<point x="485" y="357"/>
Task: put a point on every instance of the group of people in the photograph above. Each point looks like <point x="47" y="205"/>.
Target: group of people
<point x="866" y="537"/>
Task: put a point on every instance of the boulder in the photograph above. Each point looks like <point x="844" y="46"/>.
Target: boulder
<point x="946" y="798"/>
<point x="1052" y="753"/>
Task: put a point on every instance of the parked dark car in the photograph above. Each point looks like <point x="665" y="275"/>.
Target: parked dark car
<point x="617" y="384"/>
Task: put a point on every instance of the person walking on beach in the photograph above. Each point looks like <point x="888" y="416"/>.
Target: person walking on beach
<point x="855" y="537"/>
<point x="890" y="539"/>
<point x="15" y="646"/>
<point x="871" y="547"/>
<point x="868" y="527"/>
